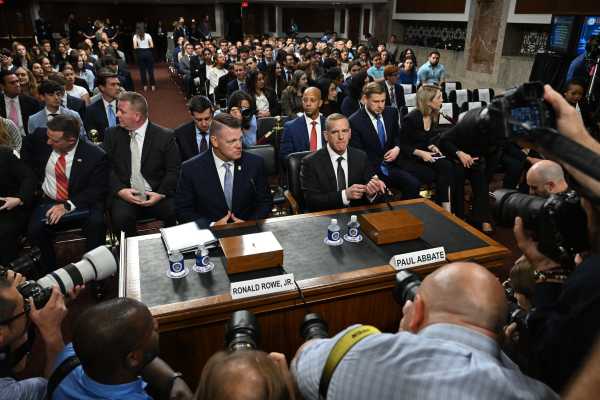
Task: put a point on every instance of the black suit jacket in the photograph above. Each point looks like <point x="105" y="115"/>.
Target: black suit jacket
<point x="17" y="179"/>
<point x="96" y="119"/>
<point x="200" y="195"/>
<point x="364" y="135"/>
<point x="160" y="159"/>
<point x="319" y="183"/>
<point x="399" y="92"/>
<point x="75" y="104"/>
<point x="88" y="181"/>
<point x="28" y="104"/>
<point x="185" y="135"/>
<point x="232" y="86"/>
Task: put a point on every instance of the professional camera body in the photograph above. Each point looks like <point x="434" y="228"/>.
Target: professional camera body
<point x="558" y="223"/>
<point x="96" y="264"/>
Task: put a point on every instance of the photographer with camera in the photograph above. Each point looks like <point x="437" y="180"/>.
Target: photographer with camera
<point x="447" y="347"/>
<point x="16" y="337"/>
<point x="564" y="324"/>
<point x="546" y="177"/>
<point x="113" y="354"/>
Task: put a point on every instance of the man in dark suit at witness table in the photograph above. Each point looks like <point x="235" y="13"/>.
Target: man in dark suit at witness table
<point x="102" y="114"/>
<point x="338" y="176"/>
<point x="193" y="137"/>
<point x="223" y="185"/>
<point x="376" y="131"/>
<point x="73" y="174"/>
<point x="144" y="165"/>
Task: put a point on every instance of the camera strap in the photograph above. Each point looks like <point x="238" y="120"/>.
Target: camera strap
<point x="60" y="373"/>
<point x="339" y="350"/>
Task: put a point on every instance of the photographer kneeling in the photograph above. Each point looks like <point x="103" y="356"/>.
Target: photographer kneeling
<point x="564" y="323"/>
<point x="447" y="347"/>
<point x="16" y="313"/>
<point x="113" y="354"/>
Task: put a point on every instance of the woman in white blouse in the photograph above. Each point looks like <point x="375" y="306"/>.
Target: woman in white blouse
<point x="215" y="72"/>
<point x="71" y="88"/>
<point x="143" y="45"/>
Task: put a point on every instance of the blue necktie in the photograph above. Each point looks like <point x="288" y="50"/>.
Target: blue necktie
<point x="112" y="118"/>
<point x="228" y="184"/>
<point x="381" y="135"/>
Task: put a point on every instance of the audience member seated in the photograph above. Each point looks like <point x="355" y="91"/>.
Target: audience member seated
<point x="10" y="136"/>
<point x="394" y="93"/>
<point x="408" y="73"/>
<point x="546" y="178"/>
<point x="232" y="187"/>
<point x="338" y="176"/>
<point x="291" y="97"/>
<point x="66" y="100"/>
<point x="71" y="88"/>
<point x="376" y="131"/>
<point x="115" y="350"/>
<point x="274" y="74"/>
<point x="239" y="83"/>
<point x="102" y="114"/>
<point x="448" y="346"/>
<point x="52" y="94"/>
<point x="376" y="70"/>
<point x="469" y="153"/>
<point x="144" y="165"/>
<point x="352" y="100"/>
<point x="73" y="175"/>
<point x="124" y="75"/>
<point x="17" y="186"/>
<point x="193" y="137"/>
<point x="420" y="135"/>
<point x="248" y="375"/>
<point x="184" y="67"/>
<point x="432" y="72"/>
<point x="27" y="81"/>
<point x="264" y="99"/>
<point x="240" y="107"/>
<point x="305" y="133"/>
<point x="13" y="104"/>
<point x="16" y="314"/>
<point x="329" y="95"/>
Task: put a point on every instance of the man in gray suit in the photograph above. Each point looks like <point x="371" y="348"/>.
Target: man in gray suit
<point x="184" y="67"/>
<point x="51" y="93"/>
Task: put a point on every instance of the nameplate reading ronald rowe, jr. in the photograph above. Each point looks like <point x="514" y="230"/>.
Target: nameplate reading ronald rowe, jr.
<point x="258" y="287"/>
<point x="418" y="258"/>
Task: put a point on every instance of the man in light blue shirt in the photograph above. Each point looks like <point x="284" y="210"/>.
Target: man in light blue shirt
<point x="447" y="348"/>
<point x="376" y="71"/>
<point x="432" y="72"/>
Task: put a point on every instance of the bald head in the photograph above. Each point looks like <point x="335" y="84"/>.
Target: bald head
<point x="465" y="294"/>
<point x="313" y="91"/>
<point x="546" y="177"/>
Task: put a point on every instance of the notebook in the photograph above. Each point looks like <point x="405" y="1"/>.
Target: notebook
<point x="186" y="237"/>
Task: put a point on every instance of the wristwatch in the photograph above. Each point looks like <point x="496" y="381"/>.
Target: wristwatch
<point x="172" y="379"/>
<point x="67" y="206"/>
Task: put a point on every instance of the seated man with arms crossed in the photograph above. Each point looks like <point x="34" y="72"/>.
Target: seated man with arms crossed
<point x="447" y="348"/>
<point x="337" y="175"/>
<point x="223" y="184"/>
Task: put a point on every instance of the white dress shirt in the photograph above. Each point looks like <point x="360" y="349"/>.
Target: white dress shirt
<point x="49" y="185"/>
<point x="7" y="106"/>
<point x="221" y="170"/>
<point x="334" y="157"/>
<point x="48" y="113"/>
<point x="318" y="127"/>
<point x="139" y="138"/>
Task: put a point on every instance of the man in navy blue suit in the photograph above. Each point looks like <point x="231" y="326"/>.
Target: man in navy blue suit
<point x="239" y="83"/>
<point x="394" y="93"/>
<point x="306" y="132"/>
<point x="223" y="185"/>
<point x="376" y="131"/>
<point x="73" y="175"/>
<point x="193" y="137"/>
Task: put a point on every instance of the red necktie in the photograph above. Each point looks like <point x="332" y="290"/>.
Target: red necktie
<point x="313" y="136"/>
<point x="62" y="184"/>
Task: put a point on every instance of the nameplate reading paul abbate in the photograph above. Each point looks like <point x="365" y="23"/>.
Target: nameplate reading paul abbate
<point x="418" y="258"/>
<point x="259" y="287"/>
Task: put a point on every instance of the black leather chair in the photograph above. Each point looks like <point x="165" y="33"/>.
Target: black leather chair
<point x="294" y="192"/>
<point x="267" y="152"/>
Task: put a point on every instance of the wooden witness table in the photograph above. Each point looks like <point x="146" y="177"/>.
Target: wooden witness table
<point x="348" y="284"/>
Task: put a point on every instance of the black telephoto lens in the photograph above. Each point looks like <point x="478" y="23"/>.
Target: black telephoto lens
<point x="509" y="204"/>
<point x="242" y="332"/>
<point x="28" y="264"/>
<point x="313" y="327"/>
<point x="406" y="287"/>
